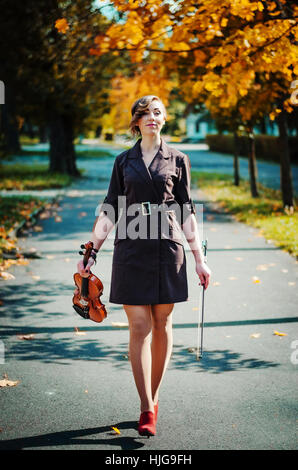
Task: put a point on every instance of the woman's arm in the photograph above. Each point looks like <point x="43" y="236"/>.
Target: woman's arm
<point x="191" y="232"/>
<point x="101" y="229"/>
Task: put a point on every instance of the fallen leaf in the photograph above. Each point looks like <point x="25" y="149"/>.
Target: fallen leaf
<point x="255" y="335"/>
<point x="278" y="333"/>
<point x="27" y="337"/>
<point x="216" y="283"/>
<point x="50" y="256"/>
<point x="6" y="276"/>
<point x="67" y="260"/>
<point x="239" y="258"/>
<point x="232" y="278"/>
<point x="195" y="308"/>
<point x="262" y="267"/>
<point x="22" y="261"/>
<point x="8" y="383"/>
<point x="45" y="215"/>
<point x="284" y="270"/>
<point x="256" y="280"/>
<point x="35" y="277"/>
<point x="119" y="324"/>
<point x="37" y="228"/>
<point x="78" y="333"/>
<point x="116" y="430"/>
<point x="58" y="218"/>
<point x="82" y="214"/>
<point x="291" y="283"/>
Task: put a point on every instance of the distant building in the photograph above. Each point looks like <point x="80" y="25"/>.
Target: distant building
<point x="198" y="125"/>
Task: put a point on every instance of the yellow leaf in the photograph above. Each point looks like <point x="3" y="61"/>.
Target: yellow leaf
<point x="6" y="276"/>
<point x="79" y="333"/>
<point x="116" y="430"/>
<point x="8" y="383"/>
<point x="255" y="335"/>
<point x="61" y="25"/>
<point x="278" y="333"/>
<point x="27" y="337"/>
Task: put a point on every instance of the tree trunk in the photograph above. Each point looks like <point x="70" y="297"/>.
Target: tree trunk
<point x="285" y="165"/>
<point x="253" y="172"/>
<point x="236" y="160"/>
<point x="9" y="126"/>
<point x="62" y="152"/>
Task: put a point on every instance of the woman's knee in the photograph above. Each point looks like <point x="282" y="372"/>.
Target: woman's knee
<point x="162" y="316"/>
<point x="139" y="320"/>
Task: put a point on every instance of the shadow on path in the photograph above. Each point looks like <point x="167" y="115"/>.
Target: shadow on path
<point x="74" y="438"/>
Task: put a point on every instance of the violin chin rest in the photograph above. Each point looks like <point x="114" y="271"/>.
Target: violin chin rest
<point x="84" y="312"/>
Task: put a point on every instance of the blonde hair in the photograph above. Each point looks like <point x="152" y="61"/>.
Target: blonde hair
<point x="138" y="110"/>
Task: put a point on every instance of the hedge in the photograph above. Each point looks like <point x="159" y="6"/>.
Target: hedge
<point x="267" y="146"/>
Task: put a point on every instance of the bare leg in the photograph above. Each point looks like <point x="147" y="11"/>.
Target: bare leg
<point x="161" y="346"/>
<point x="139" y="319"/>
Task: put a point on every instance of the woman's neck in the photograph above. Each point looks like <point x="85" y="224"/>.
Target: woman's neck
<point x="150" y="143"/>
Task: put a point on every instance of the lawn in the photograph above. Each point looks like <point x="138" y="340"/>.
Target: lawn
<point x="265" y="212"/>
<point x="23" y="176"/>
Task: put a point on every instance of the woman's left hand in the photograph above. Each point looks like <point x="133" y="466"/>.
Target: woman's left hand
<point x="204" y="274"/>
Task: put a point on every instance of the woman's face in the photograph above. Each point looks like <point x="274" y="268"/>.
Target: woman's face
<point x="152" y="120"/>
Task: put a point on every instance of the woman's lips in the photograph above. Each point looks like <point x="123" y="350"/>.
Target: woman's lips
<point x="151" y="125"/>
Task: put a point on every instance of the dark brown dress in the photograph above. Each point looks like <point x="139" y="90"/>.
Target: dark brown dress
<point x="149" y="269"/>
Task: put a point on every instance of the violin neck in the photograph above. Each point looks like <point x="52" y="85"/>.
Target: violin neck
<point x="84" y="291"/>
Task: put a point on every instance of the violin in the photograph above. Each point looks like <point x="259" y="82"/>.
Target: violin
<point x="86" y="299"/>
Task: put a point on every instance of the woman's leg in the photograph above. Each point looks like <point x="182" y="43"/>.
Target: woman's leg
<point x="161" y="346"/>
<point x="139" y="319"/>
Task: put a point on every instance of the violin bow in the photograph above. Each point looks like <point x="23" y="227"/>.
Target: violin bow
<point x="201" y="311"/>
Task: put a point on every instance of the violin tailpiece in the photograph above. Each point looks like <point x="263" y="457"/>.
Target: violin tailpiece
<point x="84" y="312"/>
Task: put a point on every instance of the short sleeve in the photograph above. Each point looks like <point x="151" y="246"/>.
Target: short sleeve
<point x="110" y="204"/>
<point x="182" y="190"/>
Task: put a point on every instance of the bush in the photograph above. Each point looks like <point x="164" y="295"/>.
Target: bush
<point x="267" y="146"/>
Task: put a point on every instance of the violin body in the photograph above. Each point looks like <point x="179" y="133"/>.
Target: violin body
<point x="86" y="299"/>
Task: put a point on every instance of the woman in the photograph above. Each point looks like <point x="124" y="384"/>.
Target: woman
<point x="151" y="184"/>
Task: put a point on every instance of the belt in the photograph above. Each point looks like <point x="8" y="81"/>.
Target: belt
<point x="146" y="208"/>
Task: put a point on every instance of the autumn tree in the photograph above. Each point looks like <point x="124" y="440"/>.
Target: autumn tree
<point x="225" y="49"/>
<point x="54" y="80"/>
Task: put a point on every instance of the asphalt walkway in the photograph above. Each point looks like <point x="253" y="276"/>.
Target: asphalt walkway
<point x="75" y="380"/>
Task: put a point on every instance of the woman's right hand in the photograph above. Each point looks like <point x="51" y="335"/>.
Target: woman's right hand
<point x="85" y="271"/>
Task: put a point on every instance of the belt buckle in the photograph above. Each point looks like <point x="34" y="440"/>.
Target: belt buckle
<point x="146" y="208"/>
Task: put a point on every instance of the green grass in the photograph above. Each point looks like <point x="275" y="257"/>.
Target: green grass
<point x="25" y="177"/>
<point x="265" y="212"/>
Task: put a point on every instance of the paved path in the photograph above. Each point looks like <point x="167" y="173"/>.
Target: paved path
<point x="73" y="388"/>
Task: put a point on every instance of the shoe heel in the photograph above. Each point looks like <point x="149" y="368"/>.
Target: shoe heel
<point x="146" y="425"/>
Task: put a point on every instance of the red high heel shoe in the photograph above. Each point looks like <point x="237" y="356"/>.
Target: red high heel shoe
<point x="146" y="425"/>
<point x="155" y="412"/>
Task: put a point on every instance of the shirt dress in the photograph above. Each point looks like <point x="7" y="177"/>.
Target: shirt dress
<point x="149" y="205"/>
